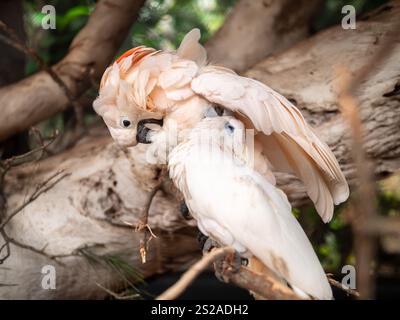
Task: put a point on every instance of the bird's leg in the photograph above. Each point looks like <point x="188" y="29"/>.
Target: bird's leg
<point x="142" y="132"/>
<point x="230" y="263"/>
<point x="201" y="238"/>
<point x="185" y="211"/>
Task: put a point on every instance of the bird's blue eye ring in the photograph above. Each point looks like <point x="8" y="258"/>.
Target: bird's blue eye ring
<point x="229" y="127"/>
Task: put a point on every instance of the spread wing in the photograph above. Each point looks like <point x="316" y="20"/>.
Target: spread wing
<point x="288" y="141"/>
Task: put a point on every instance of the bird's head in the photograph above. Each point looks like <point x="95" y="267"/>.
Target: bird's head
<point x="123" y="96"/>
<point x="130" y="90"/>
<point x="224" y="133"/>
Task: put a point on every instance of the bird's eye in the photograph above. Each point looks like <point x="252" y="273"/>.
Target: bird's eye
<point x="228" y="127"/>
<point x="125" y="123"/>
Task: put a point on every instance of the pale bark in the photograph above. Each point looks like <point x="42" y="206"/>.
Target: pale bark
<point x="258" y="28"/>
<point x="38" y="97"/>
<point x="86" y="212"/>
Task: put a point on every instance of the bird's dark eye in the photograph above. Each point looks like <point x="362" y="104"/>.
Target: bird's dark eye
<point x="230" y="128"/>
<point x="126" y="123"/>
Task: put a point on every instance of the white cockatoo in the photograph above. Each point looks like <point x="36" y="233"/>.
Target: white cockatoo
<point x="236" y="206"/>
<point x="180" y="88"/>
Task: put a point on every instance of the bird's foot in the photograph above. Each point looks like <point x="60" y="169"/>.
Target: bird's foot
<point x="231" y="263"/>
<point x="142" y="132"/>
<point x="201" y="239"/>
<point x="209" y="244"/>
<point x="185" y="211"/>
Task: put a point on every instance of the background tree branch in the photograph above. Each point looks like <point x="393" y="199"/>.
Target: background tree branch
<point x="256" y="29"/>
<point x="38" y="97"/>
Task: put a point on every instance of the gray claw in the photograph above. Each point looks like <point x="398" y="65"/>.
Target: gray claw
<point x="209" y="244"/>
<point x="185" y="211"/>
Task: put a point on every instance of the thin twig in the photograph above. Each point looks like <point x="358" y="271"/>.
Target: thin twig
<point x="16" y="160"/>
<point x="187" y="278"/>
<point x="343" y="287"/>
<point x="41" y="252"/>
<point x="7" y="164"/>
<point x="143" y="225"/>
<point x="364" y="204"/>
<point x="364" y="208"/>
<point x="6" y="245"/>
<point x="40" y="189"/>
<point x="116" y="295"/>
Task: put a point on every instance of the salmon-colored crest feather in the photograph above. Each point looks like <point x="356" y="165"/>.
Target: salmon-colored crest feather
<point x="137" y="52"/>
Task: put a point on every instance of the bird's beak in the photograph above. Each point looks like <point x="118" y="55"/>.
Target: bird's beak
<point x="142" y="132"/>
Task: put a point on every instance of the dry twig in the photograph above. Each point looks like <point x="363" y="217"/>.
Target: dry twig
<point x="143" y="225"/>
<point x="116" y="295"/>
<point x="341" y="286"/>
<point x="187" y="278"/>
<point x="40" y="189"/>
<point x="364" y="208"/>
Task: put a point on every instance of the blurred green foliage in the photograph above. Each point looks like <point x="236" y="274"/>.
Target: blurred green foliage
<point x="163" y="24"/>
<point x="331" y="12"/>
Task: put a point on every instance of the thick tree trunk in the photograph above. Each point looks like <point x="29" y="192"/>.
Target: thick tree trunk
<point x="258" y="28"/>
<point x="85" y="211"/>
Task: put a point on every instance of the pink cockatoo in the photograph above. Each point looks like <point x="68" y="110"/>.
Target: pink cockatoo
<point x="236" y="206"/>
<point x="180" y="88"/>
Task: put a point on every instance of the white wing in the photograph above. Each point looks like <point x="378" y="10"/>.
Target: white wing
<point x="238" y="207"/>
<point x="289" y="142"/>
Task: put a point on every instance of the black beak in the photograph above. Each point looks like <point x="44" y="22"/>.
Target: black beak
<point x="142" y="131"/>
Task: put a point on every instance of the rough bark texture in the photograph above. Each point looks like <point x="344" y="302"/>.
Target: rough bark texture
<point x="108" y="186"/>
<point x="258" y="28"/>
<point x="38" y="97"/>
<point x="83" y="216"/>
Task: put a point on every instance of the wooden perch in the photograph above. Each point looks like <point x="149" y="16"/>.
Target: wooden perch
<point x="264" y="285"/>
<point x="38" y="97"/>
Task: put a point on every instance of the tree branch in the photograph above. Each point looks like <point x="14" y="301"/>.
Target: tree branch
<point x="261" y="28"/>
<point x="265" y="285"/>
<point x="38" y="97"/>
